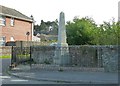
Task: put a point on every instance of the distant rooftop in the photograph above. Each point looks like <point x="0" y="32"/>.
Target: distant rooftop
<point x="5" y="11"/>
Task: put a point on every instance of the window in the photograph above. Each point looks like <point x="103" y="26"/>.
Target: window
<point x="12" y="22"/>
<point x="2" y="21"/>
<point x="2" y="41"/>
<point x="12" y="38"/>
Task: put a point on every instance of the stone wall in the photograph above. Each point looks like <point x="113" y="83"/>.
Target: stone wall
<point x="110" y="58"/>
<point x="81" y="56"/>
<point x="43" y="54"/>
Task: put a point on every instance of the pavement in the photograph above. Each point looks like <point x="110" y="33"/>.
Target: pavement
<point x="87" y="77"/>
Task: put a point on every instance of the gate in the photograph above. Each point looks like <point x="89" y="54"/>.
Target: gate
<point x="20" y="55"/>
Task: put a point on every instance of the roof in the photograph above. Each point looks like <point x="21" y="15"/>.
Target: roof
<point x="5" y="11"/>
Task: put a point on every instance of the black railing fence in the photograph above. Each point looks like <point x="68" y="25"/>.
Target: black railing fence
<point x="20" y="55"/>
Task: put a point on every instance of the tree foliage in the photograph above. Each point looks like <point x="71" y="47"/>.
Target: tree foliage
<point x="80" y="31"/>
<point x="85" y="31"/>
<point x="108" y="34"/>
<point x="46" y="27"/>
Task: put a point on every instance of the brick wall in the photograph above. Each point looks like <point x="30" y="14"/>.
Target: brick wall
<point x="18" y="31"/>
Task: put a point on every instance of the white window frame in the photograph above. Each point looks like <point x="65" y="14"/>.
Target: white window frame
<point x="2" y="21"/>
<point x="12" y="38"/>
<point x="12" y="21"/>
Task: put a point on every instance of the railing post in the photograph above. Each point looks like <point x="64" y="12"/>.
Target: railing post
<point x="30" y="57"/>
<point x="12" y="56"/>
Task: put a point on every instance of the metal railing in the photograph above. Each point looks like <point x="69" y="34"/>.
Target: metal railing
<point x="20" y="55"/>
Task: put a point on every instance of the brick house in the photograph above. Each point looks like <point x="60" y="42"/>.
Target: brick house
<point x="14" y="26"/>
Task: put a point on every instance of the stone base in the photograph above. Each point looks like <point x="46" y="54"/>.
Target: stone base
<point x="62" y="45"/>
<point x="62" y="57"/>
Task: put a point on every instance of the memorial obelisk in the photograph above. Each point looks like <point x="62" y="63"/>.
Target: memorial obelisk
<point x="61" y="57"/>
<point x="62" y="31"/>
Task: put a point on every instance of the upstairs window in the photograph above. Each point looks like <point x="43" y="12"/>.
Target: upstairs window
<point x="2" y="21"/>
<point x="12" y="22"/>
<point x="12" y="38"/>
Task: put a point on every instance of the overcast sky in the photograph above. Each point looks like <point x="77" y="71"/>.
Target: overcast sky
<point x="48" y="10"/>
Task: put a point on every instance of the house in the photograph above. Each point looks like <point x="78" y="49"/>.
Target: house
<point x="14" y="26"/>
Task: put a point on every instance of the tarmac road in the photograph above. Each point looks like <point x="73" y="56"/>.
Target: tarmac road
<point x="6" y="79"/>
<point x="4" y="64"/>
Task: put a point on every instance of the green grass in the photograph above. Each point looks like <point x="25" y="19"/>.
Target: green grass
<point x="5" y="57"/>
<point x="9" y="56"/>
<point x="24" y="56"/>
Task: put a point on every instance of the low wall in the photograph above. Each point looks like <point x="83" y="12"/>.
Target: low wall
<point x="110" y="58"/>
<point x="43" y="54"/>
<point x="81" y="56"/>
<point x="84" y="56"/>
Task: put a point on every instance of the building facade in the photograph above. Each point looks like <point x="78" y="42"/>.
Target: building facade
<point x="14" y="26"/>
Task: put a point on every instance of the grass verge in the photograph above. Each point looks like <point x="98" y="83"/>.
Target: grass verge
<point x="5" y="57"/>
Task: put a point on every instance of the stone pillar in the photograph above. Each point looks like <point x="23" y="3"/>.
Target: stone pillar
<point x="61" y="57"/>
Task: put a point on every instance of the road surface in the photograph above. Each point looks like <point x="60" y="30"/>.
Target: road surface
<point x="7" y="79"/>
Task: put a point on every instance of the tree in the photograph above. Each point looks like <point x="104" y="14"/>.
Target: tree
<point x="109" y="33"/>
<point x="36" y="29"/>
<point x="79" y="32"/>
<point x="47" y="27"/>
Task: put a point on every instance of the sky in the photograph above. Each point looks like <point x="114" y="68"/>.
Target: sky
<point x="49" y="10"/>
